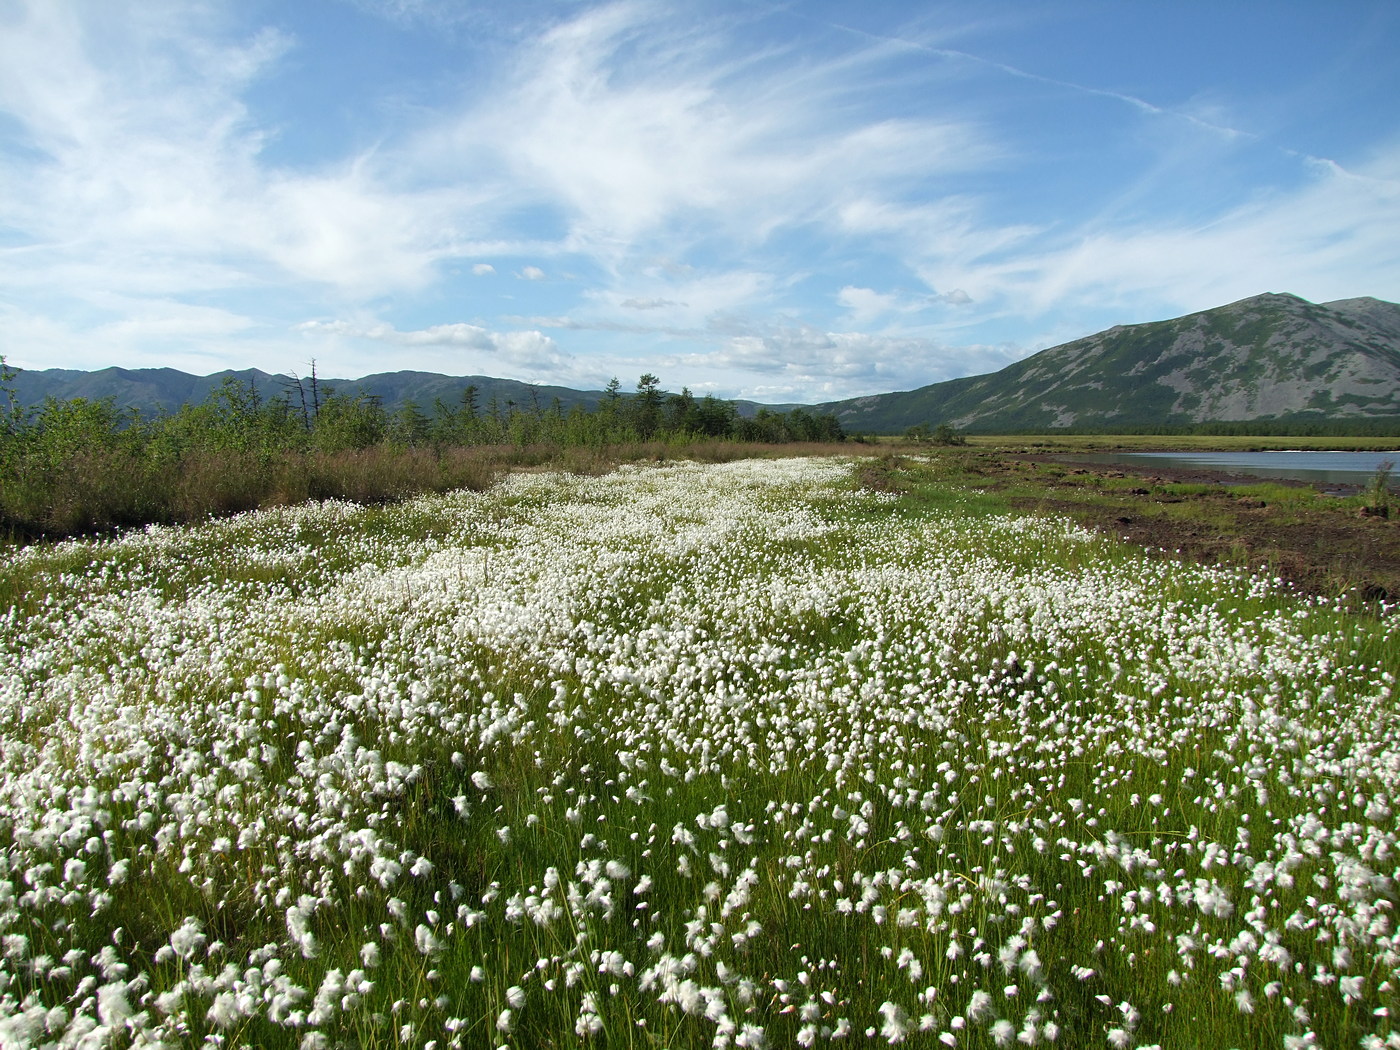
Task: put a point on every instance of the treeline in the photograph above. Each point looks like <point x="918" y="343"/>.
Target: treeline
<point x="648" y="414"/>
<point x="81" y="465"/>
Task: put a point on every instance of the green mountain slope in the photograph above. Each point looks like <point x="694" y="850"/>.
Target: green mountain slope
<point x="1270" y="357"/>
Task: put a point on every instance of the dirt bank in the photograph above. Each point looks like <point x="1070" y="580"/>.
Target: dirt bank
<point x="1316" y="536"/>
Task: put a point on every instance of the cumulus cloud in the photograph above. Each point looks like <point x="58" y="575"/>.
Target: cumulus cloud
<point x="483" y="269"/>
<point x="807" y="362"/>
<point x="531" y="273"/>
<point x="735" y="355"/>
<point x="527" y="349"/>
<point x="145" y="332"/>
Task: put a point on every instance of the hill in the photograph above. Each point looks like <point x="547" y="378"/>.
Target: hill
<point x="1270" y="357"/>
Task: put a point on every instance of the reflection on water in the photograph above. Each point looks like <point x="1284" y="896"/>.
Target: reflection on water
<point x="1344" y="468"/>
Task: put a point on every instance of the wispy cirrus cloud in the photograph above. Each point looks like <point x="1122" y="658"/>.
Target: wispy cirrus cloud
<point x="717" y="187"/>
<point x="1196" y="115"/>
<point x="635" y="122"/>
<point x="1323" y="239"/>
<point x="648" y="304"/>
<point x="135" y="154"/>
<point x="864" y="305"/>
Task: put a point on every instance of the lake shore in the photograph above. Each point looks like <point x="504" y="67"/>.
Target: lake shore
<point x="1315" y="536"/>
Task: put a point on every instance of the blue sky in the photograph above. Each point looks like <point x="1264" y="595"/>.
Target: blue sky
<point x="795" y="201"/>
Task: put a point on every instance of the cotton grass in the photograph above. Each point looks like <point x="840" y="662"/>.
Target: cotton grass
<point x="686" y="756"/>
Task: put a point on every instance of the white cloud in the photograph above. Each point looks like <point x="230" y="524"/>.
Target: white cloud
<point x="738" y="356"/>
<point x="865" y="304"/>
<point x="401" y="10"/>
<point x="690" y="173"/>
<point x="700" y="299"/>
<point x="945" y="237"/>
<point x="635" y="123"/>
<point x="691" y="298"/>
<point x="140" y="158"/>
<point x="529" y="350"/>
<point x="1201" y="113"/>
<point x="808" y="363"/>
<point x="147" y="333"/>
<point x="648" y="304"/>
<point x="1329" y="238"/>
<point x="156" y="184"/>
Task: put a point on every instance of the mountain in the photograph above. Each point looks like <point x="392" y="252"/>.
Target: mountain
<point x="148" y="389"/>
<point x="154" y="391"/>
<point x="157" y="390"/>
<point x="1270" y="357"/>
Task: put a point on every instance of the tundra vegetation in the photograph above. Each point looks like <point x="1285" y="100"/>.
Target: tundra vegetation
<point x="727" y="755"/>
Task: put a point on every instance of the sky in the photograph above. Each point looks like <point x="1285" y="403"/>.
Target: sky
<point x="793" y="201"/>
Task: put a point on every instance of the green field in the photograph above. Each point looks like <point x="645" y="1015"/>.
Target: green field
<point x="729" y="755"/>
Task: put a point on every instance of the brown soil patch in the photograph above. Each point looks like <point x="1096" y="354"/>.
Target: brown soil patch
<point x="1322" y="545"/>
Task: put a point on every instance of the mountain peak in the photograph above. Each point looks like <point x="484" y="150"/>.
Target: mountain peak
<point x="1263" y="299"/>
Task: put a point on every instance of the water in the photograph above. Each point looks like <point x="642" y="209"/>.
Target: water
<point x="1342" y="468"/>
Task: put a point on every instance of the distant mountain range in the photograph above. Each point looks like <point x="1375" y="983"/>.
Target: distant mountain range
<point x="1271" y="357"/>
<point x="157" y="390"/>
<point x="160" y="390"/>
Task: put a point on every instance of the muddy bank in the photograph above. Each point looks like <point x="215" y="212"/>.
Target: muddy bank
<point x="1318" y="537"/>
<point x="1164" y="475"/>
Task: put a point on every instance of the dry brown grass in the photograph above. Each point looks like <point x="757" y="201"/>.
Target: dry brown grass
<point x="104" y="490"/>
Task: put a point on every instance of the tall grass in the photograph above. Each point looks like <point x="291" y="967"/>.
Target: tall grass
<point x="99" y="490"/>
<point x="82" y="466"/>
